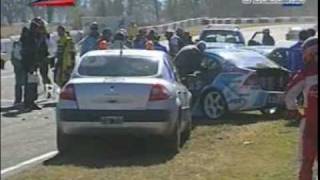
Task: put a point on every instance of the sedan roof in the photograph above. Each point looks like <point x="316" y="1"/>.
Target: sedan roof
<point x="153" y="54"/>
<point x="232" y="27"/>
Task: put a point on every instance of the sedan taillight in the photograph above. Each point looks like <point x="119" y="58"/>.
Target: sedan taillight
<point x="68" y="93"/>
<point x="158" y="93"/>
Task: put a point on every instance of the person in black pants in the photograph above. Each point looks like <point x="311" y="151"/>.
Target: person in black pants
<point x="34" y="50"/>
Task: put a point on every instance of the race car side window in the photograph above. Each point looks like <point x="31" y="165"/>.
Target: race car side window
<point x="169" y="70"/>
<point x="172" y="68"/>
<point x="211" y="63"/>
<point x="279" y="56"/>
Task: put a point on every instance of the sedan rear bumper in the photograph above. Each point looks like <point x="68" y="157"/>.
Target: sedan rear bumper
<point x="96" y="128"/>
<point x="96" y="122"/>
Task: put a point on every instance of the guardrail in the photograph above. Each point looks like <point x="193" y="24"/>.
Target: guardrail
<point x="6" y="44"/>
<point x="241" y="20"/>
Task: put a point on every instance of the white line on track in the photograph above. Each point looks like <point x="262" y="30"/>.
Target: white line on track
<point x="28" y="162"/>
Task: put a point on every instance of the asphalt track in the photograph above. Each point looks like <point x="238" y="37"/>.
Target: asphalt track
<point x="27" y="138"/>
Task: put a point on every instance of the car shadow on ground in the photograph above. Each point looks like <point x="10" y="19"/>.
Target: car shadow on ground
<point x="238" y="119"/>
<point x="104" y="152"/>
<point x="13" y="111"/>
<point x="16" y="110"/>
<point x="116" y="152"/>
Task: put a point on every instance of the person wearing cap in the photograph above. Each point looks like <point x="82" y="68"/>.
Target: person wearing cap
<point x="65" y="57"/>
<point x="90" y="42"/>
<point x="306" y="81"/>
<point x="119" y="41"/>
<point x="34" y="50"/>
<point x="189" y="59"/>
<point x="267" y="39"/>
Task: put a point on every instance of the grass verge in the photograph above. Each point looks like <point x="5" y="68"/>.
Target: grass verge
<point x="242" y="147"/>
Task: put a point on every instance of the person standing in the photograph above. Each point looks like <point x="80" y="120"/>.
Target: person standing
<point x="267" y="39"/>
<point x="65" y="57"/>
<point x="306" y="81"/>
<point x="189" y="59"/>
<point x="19" y="71"/>
<point x="149" y="45"/>
<point x="140" y="40"/>
<point x="132" y="31"/>
<point x="34" y="50"/>
<point x="158" y="46"/>
<point x="90" y="42"/>
<point x="295" y="60"/>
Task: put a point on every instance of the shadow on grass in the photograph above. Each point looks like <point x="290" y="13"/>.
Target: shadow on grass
<point x="117" y="152"/>
<point x="238" y="119"/>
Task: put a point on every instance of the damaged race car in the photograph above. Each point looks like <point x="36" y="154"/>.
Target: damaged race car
<point x="237" y="80"/>
<point x="278" y="53"/>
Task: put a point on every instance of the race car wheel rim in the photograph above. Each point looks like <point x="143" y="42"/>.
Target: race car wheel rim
<point x="214" y="105"/>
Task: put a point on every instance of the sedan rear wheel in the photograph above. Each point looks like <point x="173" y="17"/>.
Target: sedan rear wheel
<point x="214" y="105"/>
<point x="63" y="142"/>
<point x="174" y="141"/>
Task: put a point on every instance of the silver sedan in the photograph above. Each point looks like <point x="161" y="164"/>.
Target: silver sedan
<point x="130" y="92"/>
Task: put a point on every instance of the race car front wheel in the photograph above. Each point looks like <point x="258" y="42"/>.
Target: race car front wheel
<point x="214" y="105"/>
<point x="275" y="112"/>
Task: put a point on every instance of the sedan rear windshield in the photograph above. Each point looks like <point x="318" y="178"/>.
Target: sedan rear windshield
<point x="118" y="66"/>
<point x="222" y="36"/>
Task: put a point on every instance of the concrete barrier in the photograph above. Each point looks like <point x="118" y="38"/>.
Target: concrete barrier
<point x="162" y="28"/>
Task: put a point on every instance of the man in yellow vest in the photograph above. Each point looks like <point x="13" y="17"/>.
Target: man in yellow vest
<point x="132" y="31"/>
<point x="65" y="57"/>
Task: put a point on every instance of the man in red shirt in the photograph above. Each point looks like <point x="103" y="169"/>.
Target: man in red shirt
<point x="306" y="81"/>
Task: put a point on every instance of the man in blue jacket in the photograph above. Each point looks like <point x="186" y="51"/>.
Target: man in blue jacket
<point x="91" y="41"/>
<point x="295" y="61"/>
<point x="158" y="46"/>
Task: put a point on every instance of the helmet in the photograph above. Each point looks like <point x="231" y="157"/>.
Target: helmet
<point x="310" y="50"/>
<point x="201" y="45"/>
